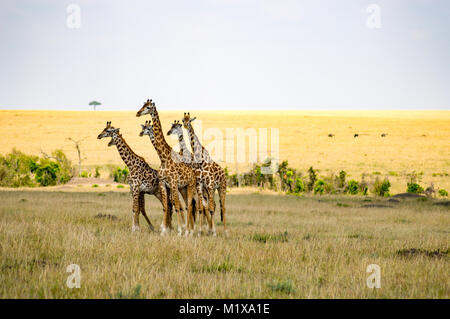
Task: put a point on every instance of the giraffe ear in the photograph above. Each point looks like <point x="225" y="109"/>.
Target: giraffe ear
<point x="192" y="119"/>
<point x="142" y="125"/>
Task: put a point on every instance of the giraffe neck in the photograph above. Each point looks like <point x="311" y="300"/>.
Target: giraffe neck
<point x="184" y="152"/>
<point x="159" y="142"/>
<point x="126" y="153"/>
<point x="200" y="153"/>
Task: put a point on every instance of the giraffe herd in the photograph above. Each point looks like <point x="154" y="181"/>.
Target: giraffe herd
<point x="192" y="176"/>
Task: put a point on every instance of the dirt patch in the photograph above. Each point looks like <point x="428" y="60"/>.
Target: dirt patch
<point x="88" y="180"/>
<point x="106" y="216"/>
<point x="445" y="203"/>
<point x="376" y="206"/>
<point x="413" y="252"/>
<point x="407" y="195"/>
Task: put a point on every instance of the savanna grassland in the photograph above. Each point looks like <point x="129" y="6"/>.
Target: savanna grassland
<point x="278" y="247"/>
<point x="416" y="140"/>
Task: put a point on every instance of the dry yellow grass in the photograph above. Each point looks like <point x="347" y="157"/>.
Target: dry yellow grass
<point x="416" y="140"/>
<point x="278" y="247"/>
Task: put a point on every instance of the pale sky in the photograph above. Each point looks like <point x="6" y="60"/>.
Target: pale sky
<point x="225" y="54"/>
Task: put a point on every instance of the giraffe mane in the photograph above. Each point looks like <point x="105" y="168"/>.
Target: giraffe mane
<point x="128" y="146"/>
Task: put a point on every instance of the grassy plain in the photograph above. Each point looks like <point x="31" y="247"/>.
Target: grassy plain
<point x="278" y="247"/>
<point x="416" y="140"/>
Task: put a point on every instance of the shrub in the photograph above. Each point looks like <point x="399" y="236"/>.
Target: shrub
<point x="120" y="175"/>
<point x="312" y="179"/>
<point x="443" y="192"/>
<point x="66" y="171"/>
<point x="85" y="174"/>
<point x="120" y="186"/>
<point x="341" y="179"/>
<point x="414" y="188"/>
<point x="319" y="188"/>
<point x="299" y="185"/>
<point x="45" y="174"/>
<point x="97" y="171"/>
<point x="381" y="188"/>
<point x="18" y="169"/>
<point x="363" y="185"/>
<point x="352" y="187"/>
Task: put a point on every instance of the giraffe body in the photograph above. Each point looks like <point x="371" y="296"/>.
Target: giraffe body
<point x="173" y="173"/>
<point x="210" y="174"/>
<point x="187" y="157"/>
<point x="142" y="178"/>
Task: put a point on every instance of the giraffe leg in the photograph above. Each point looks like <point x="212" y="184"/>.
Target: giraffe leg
<point x="212" y="228"/>
<point x="176" y="203"/>
<point x="159" y="196"/>
<point x="222" y="193"/>
<point x="202" y="209"/>
<point x="165" y="226"/>
<point x="183" y="193"/>
<point x="136" y="209"/>
<point x="142" y="209"/>
<point x="190" y="214"/>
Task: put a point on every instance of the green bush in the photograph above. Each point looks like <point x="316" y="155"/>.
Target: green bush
<point x="319" y="188"/>
<point x="381" y="188"/>
<point x="18" y="169"/>
<point x="85" y="174"/>
<point x="341" y="179"/>
<point x="120" y="175"/>
<point x="414" y="188"/>
<point x="312" y="179"/>
<point x="353" y="187"/>
<point x="443" y="192"/>
<point x="299" y="185"/>
<point x="45" y="174"/>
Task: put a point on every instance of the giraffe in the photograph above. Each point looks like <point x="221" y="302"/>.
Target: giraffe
<point x="187" y="157"/>
<point x="142" y="178"/>
<point x="211" y="174"/>
<point x="172" y="173"/>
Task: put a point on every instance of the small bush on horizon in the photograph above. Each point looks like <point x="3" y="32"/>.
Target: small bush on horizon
<point x="414" y="188"/>
<point x="353" y="187"/>
<point x="442" y="192"/>
<point x="381" y="188"/>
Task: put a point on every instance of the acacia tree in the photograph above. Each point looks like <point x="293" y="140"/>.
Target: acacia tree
<point x="94" y="104"/>
<point x="77" y="146"/>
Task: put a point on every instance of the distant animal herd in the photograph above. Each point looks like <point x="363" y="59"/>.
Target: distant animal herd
<point x="194" y="177"/>
<point x="355" y="135"/>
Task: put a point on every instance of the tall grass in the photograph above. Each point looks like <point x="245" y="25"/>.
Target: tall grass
<point x="278" y="247"/>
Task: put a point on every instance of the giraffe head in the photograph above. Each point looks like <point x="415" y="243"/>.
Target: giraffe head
<point x="147" y="129"/>
<point x="148" y="108"/>
<point x="187" y="120"/>
<point x="109" y="131"/>
<point x="176" y="128"/>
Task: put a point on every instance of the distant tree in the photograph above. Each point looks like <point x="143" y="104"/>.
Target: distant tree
<point x="94" y="104"/>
